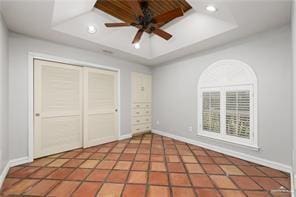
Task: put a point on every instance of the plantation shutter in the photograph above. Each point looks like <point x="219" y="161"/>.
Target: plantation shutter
<point x="211" y="111"/>
<point x="238" y="113"/>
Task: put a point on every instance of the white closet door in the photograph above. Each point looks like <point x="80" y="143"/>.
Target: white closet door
<point x="100" y="107"/>
<point x="57" y="107"/>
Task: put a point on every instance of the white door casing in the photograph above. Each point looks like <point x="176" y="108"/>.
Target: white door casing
<point x="57" y="107"/>
<point x="100" y="107"/>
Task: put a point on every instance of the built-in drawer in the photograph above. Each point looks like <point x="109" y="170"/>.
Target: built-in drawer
<point x="146" y="119"/>
<point x="141" y="112"/>
<point x="147" y="105"/>
<point x="137" y="129"/>
<point x="146" y="112"/>
<point x="141" y="120"/>
<point x="141" y="128"/>
<point x="137" y="112"/>
<point x="141" y="105"/>
<point x="137" y="105"/>
<point x="146" y="127"/>
<point x="136" y="120"/>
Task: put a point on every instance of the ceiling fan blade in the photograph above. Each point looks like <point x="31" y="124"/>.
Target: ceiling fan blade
<point x="135" y="5"/>
<point x="138" y="36"/>
<point x="163" y="18"/>
<point x="117" y="24"/>
<point x="161" y="33"/>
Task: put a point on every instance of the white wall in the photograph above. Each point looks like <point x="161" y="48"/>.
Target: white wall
<point x="19" y="47"/>
<point x="3" y="95"/>
<point x="269" y="54"/>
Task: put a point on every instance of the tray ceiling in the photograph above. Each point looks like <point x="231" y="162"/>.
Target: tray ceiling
<point x="67" y="22"/>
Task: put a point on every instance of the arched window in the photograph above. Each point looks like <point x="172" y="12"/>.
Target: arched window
<point x="227" y="102"/>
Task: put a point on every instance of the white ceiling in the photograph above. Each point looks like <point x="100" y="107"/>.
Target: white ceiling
<point x="66" y="21"/>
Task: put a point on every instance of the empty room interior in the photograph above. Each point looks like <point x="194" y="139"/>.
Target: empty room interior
<point x="148" y="98"/>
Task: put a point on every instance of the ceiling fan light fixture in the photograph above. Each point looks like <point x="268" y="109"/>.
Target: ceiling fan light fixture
<point x="137" y="45"/>
<point x="91" y="29"/>
<point x="211" y="8"/>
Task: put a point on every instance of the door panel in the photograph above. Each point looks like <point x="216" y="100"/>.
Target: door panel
<point x="100" y="122"/>
<point x="141" y="86"/>
<point x="100" y="106"/>
<point x="137" y="87"/>
<point x="147" y="85"/>
<point x="57" y="107"/>
<point x="61" y="130"/>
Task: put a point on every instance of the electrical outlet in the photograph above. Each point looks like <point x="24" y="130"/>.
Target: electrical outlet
<point x="190" y="129"/>
<point x="157" y="122"/>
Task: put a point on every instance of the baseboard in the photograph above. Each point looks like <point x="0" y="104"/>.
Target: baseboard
<point x="265" y="162"/>
<point x="19" y="161"/>
<point x="12" y="163"/>
<point x="126" y="136"/>
<point x="4" y="173"/>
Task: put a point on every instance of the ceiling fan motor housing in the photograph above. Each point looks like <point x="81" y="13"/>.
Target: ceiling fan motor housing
<point x="146" y="19"/>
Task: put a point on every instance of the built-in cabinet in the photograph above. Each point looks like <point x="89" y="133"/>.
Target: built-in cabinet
<point x="141" y="102"/>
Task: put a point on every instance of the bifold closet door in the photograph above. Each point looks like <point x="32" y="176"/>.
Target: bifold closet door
<point x="57" y="107"/>
<point x="100" y="107"/>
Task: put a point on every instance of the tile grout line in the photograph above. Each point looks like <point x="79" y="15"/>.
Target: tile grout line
<point x="168" y="173"/>
<point x="206" y="173"/>
<point x="202" y="168"/>
<point x="154" y="140"/>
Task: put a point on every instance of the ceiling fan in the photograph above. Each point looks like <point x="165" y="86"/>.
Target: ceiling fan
<point x="145" y="20"/>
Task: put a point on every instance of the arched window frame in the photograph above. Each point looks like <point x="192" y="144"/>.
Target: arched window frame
<point x="226" y="76"/>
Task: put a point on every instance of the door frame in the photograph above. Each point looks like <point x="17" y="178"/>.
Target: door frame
<point x="46" y="57"/>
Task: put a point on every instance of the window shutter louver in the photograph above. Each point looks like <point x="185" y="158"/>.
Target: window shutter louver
<point x="238" y="113"/>
<point x="211" y="111"/>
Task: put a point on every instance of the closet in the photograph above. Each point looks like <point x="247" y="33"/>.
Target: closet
<point x="74" y="107"/>
<point x="141" y="103"/>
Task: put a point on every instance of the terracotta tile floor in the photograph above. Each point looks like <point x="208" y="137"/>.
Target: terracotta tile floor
<point x="146" y="165"/>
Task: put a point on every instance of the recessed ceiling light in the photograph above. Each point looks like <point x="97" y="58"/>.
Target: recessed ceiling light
<point x="211" y="8"/>
<point x="137" y="45"/>
<point x="92" y="29"/>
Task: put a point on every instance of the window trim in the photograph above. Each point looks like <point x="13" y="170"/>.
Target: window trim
<point x="222" y="136"/>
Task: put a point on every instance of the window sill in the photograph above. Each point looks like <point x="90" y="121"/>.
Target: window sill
<point x="225" y="141"/>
